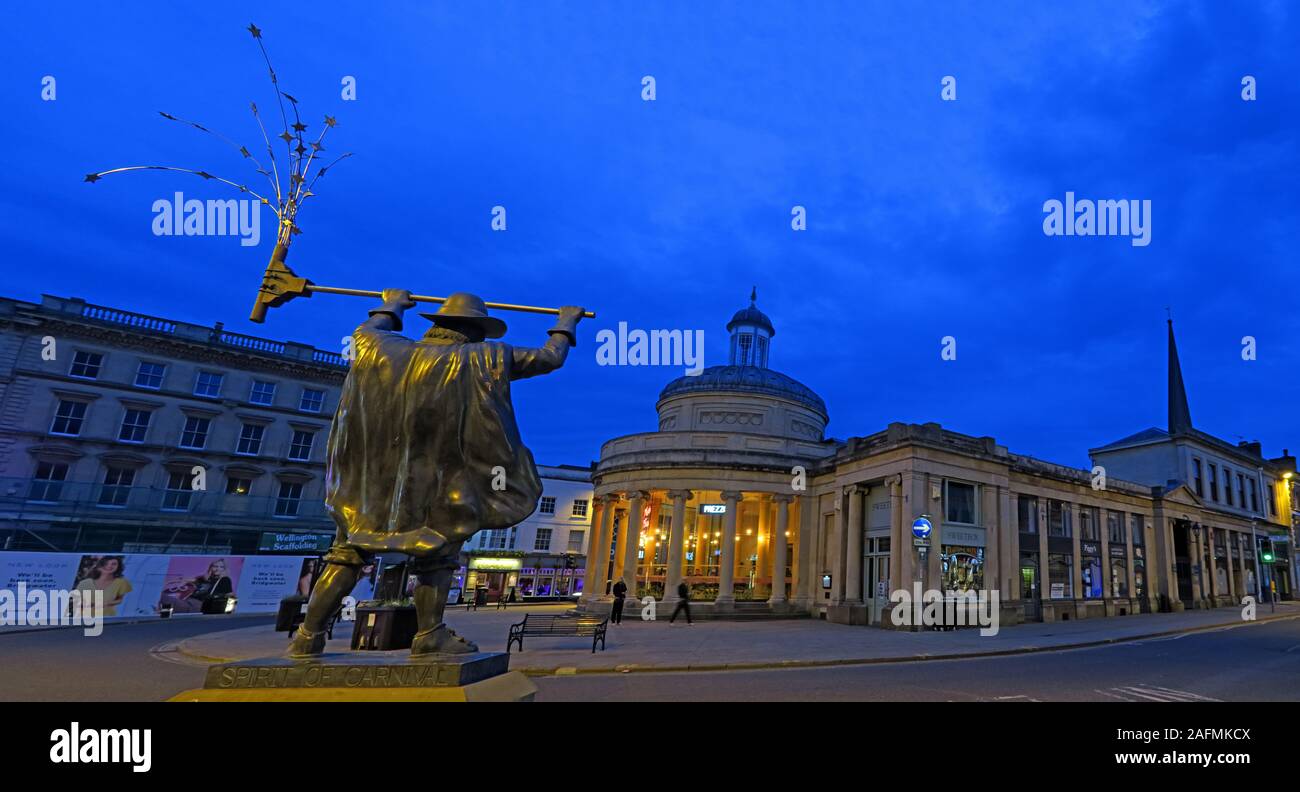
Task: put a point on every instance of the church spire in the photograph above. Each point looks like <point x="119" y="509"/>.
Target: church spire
<point x="1180" y="417"/>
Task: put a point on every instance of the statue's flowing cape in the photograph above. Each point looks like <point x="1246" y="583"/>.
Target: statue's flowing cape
<point x="414" y="450"/>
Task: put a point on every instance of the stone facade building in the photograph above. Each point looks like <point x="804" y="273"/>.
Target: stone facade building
<point x="121" y="432"/>
<point x="544" y="557"/>
<point x="740" y="496"/>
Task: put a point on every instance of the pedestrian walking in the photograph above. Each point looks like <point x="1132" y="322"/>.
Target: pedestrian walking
<point x="683" y="603"/>
<point x="620" y="592"/>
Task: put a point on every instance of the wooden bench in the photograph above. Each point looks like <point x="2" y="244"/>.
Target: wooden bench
<point x="535" y="626"/>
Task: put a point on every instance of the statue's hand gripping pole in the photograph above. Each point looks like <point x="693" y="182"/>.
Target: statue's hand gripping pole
<point x="280" y="285"/>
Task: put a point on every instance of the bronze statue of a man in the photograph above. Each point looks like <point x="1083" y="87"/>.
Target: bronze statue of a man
<point x="424" y="452"/>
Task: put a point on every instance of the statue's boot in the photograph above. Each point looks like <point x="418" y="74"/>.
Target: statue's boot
<point x="335" y="583"/>
<point x="434" y="637"/>
<point x="441" y="640"/>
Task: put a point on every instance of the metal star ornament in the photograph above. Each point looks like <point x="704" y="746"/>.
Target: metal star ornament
<point x="287" y="198"/>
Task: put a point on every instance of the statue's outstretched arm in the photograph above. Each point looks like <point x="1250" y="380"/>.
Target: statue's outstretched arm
<point x="389" y="315"/>
<point x="547" y="358"/>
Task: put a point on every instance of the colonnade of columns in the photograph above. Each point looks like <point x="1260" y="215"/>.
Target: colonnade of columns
<point x="618" y="535"/>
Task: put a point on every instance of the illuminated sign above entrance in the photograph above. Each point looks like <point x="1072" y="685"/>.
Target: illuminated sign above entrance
<point x="713" y="508"/>
<point x="495" y="563"/>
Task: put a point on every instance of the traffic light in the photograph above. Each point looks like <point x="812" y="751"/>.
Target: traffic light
<point x="1266" y="555"/>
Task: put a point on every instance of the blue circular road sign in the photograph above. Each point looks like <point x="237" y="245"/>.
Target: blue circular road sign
<point x="921" y="528"/>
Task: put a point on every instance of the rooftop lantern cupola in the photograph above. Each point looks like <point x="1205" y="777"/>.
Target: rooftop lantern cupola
<point x="751" y="335"/>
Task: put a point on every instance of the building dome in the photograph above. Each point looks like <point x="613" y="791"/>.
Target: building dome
<point x="747" y="380"/>
<point x="752" y="317"/>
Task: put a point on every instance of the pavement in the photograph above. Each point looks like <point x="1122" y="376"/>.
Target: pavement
<point x="642" y="646"/>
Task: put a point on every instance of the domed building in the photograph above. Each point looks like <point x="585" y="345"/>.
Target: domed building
<point x="740" y="495"/>
<point x="715" y="489"/>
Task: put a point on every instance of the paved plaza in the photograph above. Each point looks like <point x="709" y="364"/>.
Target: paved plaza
<point x="718" y="645"/>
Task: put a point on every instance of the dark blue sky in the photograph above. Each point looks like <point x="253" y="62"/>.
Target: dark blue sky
<point x="924" y="216"/>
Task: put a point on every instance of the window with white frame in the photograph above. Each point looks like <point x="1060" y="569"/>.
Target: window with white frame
<point x="250" y="439"/>
<point x="286" y="502"/>
<point x="47" y="483"/>
<point x="195" y="433"/>
<point x="575" y="541"/>
<point x="300" y="447"/>
<point x="180" y="489"/>
<point x="117" y="486"/>
<point x="543" y="540"/>
<point x="262" y="392"/>
<point x="547" y="506"/>
<point x="68" y="418"/>
<point x="149" y="375"/>
<point x="208" y="383"/>
<point x="960" y="503"/>
<point x="580" y="507"/>
<point x="86" y="365"/>
<point x="496" y="539"/>
<point x="135" y="423"/>
<point x="312" y="400"/>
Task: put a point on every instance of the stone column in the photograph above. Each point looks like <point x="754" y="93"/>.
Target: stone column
<point x="854" y="528"/>
<point x="631" y="543"/>
<point x="779" y="549"/>
<point x="1194" y="550"/>
<point x="727" y="562"/>
<point x="1044" y="572"/>
<point x="1103" y="531"/>
<point x="1229" y="537"/>
<point x="803" y="583"/>
<point x="676" y="533"/>
<point x="995" y="524"/>
<point x="1077" y="566"/>
<point x="1214" y="567"/>
<point x="1241" y="568"/>
<point x="897" y="540"/>
<point x="1131" y="565"/>
<point x="593" y="549"/>
<point x="605" y="548"/>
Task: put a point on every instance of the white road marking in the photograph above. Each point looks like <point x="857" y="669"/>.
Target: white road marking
<point x="1153" y="693"/>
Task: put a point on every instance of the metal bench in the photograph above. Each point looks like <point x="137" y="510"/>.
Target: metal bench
<point x="535" y="626"/>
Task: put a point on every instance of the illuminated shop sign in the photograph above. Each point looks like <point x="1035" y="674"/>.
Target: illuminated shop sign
<point x="713" y="508"/>
<point x="500" y="564"/>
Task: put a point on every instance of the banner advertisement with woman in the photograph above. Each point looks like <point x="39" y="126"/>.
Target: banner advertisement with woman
<point x="140" y="585"/>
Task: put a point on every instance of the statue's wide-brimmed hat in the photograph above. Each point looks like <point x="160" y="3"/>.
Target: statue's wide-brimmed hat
<point x="463" y="307"/>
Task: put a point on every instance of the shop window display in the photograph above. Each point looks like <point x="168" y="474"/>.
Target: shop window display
<point x="1060" y="571"/>
<point x="963" y="568"/>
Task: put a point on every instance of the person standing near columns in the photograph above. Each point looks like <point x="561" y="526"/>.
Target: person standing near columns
<point x="778" y="597"/>
<point x="727" y="563"/>
<point x="616" y="612"/>
<point x="676" y="534"/>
